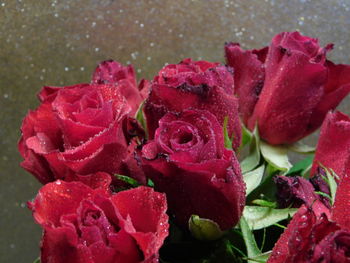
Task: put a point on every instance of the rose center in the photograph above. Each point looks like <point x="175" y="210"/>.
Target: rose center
<point x="182" y="136"/>
<point x="91" y="217"/>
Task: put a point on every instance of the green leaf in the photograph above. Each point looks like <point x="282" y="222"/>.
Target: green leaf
<point x="37" y="260"/>
<point x="332" y="184"/>
<point x="324" y="195"/>
<point x="299" y="147"/>
<point x="267" y="188"/>
<point x="227" y="139"/>
<point x="141" y="118"/>
<point x="204" y="229"/>
<point x="150" y="183"/>
<point x="224" y="252"/>
<point x="249" y="239"/>
<point x="330" y="179"/>
<point x="231" y="247"/>
<point x="301" y="166"/>
<point x="280" y="226"/>
<point x="253" y="178"/>
<point x="128" y="180"/>
<point x="276" y="156"/>
<point x="246" y="136"/>
<point x="265" y="203"/>
<point x="263" y="257"/>
<point x="259" y="217"/>
<point x="306" y="172"/>
<point x="253" y="158"/>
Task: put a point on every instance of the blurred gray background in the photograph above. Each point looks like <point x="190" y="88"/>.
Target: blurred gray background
<point x="46" y="42"/>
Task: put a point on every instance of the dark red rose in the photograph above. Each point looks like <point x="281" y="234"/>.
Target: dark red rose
<point x="194" y="84"/>
<point x="333" y="144"/>
<point x="316" y="234"/>
<point x="287" y="88"/>
<point x="320" y="185"/>
<point x="312" y="239"/>
<point x="84" y="128"/>
<point x="296" y="191"/>
<point x="90" y="226"/>
<point x="188" y="161"/>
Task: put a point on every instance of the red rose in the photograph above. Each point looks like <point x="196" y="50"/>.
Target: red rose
<point x="85" y="128"/>
<point x="194" y="84"/>
<point x="188" y="161"/>
<point x="333" y="144"/>
<point x="89" y="226"/>
<point x="287" y="88"/>
<point x="315" y="235"/>
<point x="312" y="239"/>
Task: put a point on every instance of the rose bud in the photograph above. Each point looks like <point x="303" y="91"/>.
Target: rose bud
<point x="188" y="161"/>
<point x="287" y="88"/>
<point x="294" y="191"/>
<point x="197" y="85"/>
<point x="320" y="185"/>
<point x="317" y="235"/>
<point x="84" y="225"/>
<point x="332" y="152"/>
<point x="84" y="128"/>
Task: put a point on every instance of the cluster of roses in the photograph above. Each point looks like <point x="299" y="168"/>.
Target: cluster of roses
<point x="84" y="139"/>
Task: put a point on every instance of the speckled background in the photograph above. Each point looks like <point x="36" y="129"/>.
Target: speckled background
<point x="46" y="42"/>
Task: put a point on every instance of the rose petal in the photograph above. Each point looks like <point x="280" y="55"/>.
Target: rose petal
<point x="336" y="89"/>
<point x="146" y="209"/>
<point x="75" y="133"/>
<point x="48" y="94"/>
<point x="38" y="166"/>
<point x="329" y="154"/>
<point x="61" y="245"/>
<point x="249" y="75"/>
<point x="210" y="189"/>
<point x="280" y="252"/>
<point x="93" y="155"/>
<point x="341" y="209"/>
<point x="111" y="72"/>
<point x="58" y="198"/>
<point x="98" y="180"/>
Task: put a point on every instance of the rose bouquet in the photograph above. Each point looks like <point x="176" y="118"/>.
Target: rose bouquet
<point x="193" y="166"/>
